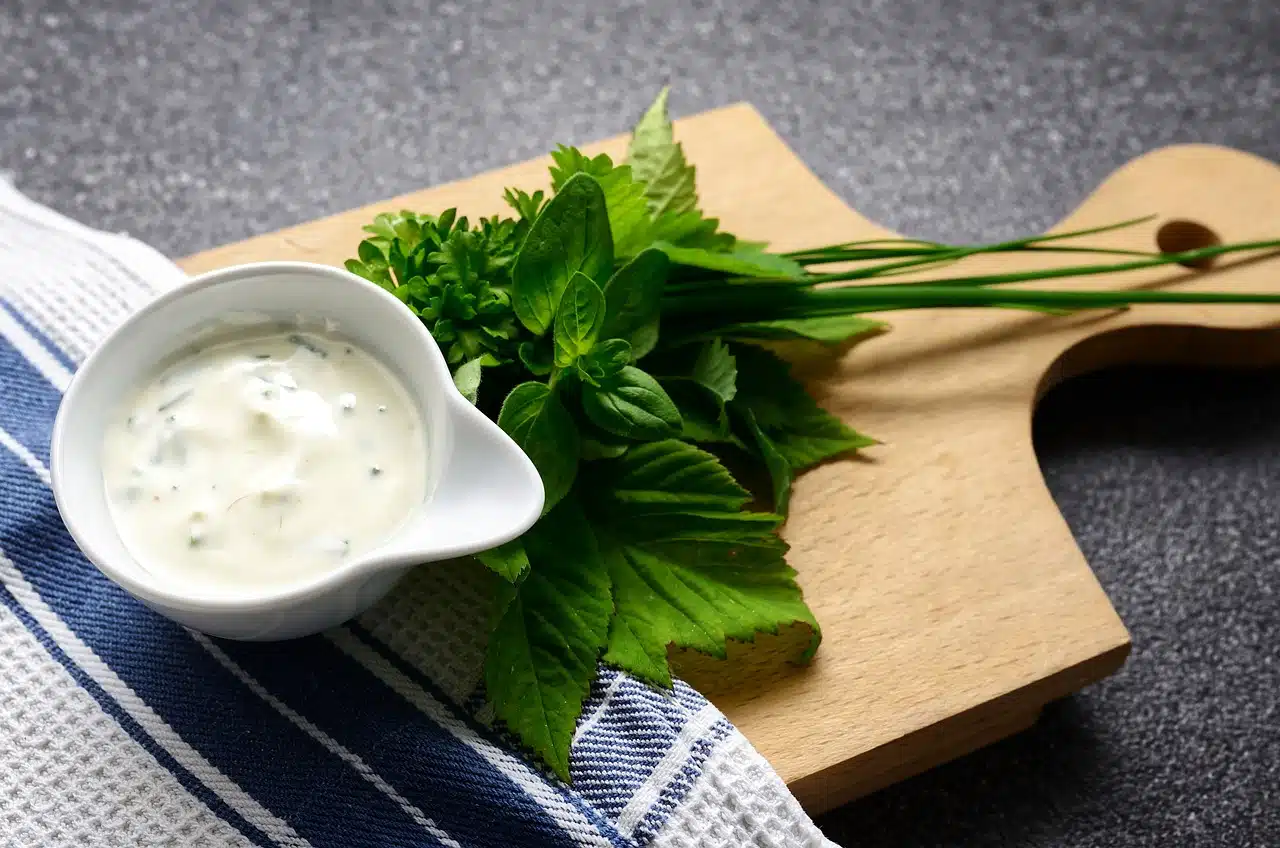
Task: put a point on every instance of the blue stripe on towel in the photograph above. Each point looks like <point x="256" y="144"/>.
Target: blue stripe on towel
<point x="446" y="778"/>
<point x="29" y="404"/>
<point x="603" y="826"/>
<point x="40" y="336"/>
<point x="615" y="757"/>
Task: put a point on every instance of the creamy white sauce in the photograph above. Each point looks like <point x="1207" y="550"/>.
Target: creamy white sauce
<point x="262" y="459"/>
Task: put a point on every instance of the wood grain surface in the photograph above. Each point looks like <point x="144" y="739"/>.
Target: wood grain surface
<point x="953" y="598"/>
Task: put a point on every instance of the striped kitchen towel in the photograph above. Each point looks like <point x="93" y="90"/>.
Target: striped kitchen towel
<point x="118" y="727"/>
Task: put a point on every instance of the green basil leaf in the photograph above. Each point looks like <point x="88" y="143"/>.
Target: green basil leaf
<point x="536" y="356"/>
<point x="633" y="294"/>
<point x="632" y="405"/>
<point x="578" y="319"/>
<point x="571" y="234"/>
<point x="538" y="422"/>
<point x="595" y="449"/>
<point x="467" y="379"/>
<point x="624" y="196"/>
<point x="605" y="360"/>
<point x="644" y="340"/>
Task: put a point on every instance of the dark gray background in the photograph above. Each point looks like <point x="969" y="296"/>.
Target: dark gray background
<point x="195" y="123"/>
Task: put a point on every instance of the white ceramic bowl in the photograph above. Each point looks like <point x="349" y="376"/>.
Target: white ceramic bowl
<point x="482" y="490"/>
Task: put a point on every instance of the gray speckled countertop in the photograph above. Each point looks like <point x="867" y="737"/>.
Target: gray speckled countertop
<point x="194" y="123"/>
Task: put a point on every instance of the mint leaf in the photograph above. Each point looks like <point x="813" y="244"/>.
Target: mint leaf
<point x="534" y="417"/>
<point x="605" y="360"/>
<point x="509" y="561"/>
<point x="632" y="405"/>
<point x="570" y="235"/>
<point x="578" y="319"/>
<point x="633" y="297"/>
<point x="780" y="471"/>
<point x="803" y="433"/>
<point x="543" y="651"/>
<point x="828" y="329"/>
<point x="688" y="568"/>
<point x="467" y="379"/>
<point x="742" y="262"/>
<point x="623" y="193"/>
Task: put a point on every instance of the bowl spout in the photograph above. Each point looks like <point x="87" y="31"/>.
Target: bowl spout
<point x="488" y="494"/>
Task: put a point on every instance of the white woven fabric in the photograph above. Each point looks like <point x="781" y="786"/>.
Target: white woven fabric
<point x="71" y="776"/>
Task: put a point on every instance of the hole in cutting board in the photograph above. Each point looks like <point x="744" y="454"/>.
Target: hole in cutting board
<point x="1180" y="235"/>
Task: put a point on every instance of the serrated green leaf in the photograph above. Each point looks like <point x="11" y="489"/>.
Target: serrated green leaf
<point x="716" y="370"/>
<point x="700" y="379"/>
<point x="657" y="160"/>
<point x="633" y="297"/>
<point x="738" y="262"/>
<point x="670" y="476"/>
<point x="688" y="568"/>
<point x="803" y="433"/>
<point x="538" y="422"/>
<point x="703" y="418"/>
<point x="632" y="405"/>
<point x="780" y="472"/>
<point x="544" y="648"/>
<point x="570" y="235"/>
<point x="828" y="329"/>
<point x="467" y="379"/>
<point x="578" y="319"/>
<point x="509" y="561"/>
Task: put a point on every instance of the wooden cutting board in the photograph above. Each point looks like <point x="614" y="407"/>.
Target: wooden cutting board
<point x="954" y="600"/>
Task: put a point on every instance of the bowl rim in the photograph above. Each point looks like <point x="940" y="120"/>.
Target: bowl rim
<point x="274" y="599"/>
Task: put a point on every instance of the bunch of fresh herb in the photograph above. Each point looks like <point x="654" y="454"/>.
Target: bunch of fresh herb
<point x="614" y="332"/>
